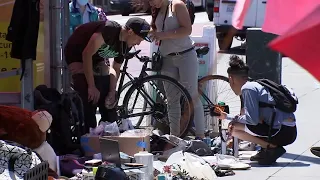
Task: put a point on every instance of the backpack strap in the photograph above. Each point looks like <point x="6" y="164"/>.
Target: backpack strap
<point x="266" y="105"/>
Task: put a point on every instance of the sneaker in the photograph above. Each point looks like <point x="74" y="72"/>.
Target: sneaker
<point x="271" y="156"/>
<point x="246" y="146"/>
<point x="258" y="156"/>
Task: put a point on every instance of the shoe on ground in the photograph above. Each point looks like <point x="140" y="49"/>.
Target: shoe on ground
<point x="260" y="155"/>
<point x="315" y="151"/>
<point x="271" y="155"/>
<point x="246" y="146"/>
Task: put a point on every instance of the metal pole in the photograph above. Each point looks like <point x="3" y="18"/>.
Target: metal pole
<point x="27" y="86"/>
<point x="263" y="61"/>
<point x="55" y="41"/>
<point x="65" y="35"/>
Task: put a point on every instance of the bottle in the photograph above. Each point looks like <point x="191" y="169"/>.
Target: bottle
<point x="146" y="159"/>
<point x="207" y="140"/>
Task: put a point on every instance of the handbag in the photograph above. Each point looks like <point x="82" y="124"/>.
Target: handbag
<point x="157" y="59"/>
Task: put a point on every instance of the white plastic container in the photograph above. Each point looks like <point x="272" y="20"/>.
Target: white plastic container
<point x="146" y="159"/>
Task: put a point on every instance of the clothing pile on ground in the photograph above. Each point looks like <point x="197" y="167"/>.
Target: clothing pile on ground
<point x="54" y="132"/>
<point x="105" y="148"/>
<point x="171" y="157"/>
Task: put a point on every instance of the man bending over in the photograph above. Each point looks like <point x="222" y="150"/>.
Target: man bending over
<point x="93" y="79"/>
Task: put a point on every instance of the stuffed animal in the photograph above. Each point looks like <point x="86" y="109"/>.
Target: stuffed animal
<point x="28" y="129"/>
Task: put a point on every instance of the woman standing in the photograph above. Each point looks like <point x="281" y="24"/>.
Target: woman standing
<point x="172" y="25"/>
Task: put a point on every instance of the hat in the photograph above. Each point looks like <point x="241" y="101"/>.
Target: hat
<point x="140" y="27"/>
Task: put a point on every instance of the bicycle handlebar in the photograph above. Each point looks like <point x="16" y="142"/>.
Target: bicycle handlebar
<point x="130" y="55"/>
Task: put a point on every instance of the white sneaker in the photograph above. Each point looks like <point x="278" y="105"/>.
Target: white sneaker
<point x="247" y="146"/>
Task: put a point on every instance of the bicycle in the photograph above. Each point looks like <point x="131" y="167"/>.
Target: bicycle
<point x="231" y="100"/>
<point x="153" y="95"/>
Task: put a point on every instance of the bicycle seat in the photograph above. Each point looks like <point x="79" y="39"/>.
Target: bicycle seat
<point x="202" y="50"/>
<point x="130" y="55"/>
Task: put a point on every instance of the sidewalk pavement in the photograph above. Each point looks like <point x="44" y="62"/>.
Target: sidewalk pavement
<point x="298" y="163"/>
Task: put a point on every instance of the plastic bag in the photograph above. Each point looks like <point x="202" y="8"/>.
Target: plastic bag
<point x="137" y="133"/>
<point x="111" y="129"/>
<point x="99" y="130"/>
<point x="126" y="125"/>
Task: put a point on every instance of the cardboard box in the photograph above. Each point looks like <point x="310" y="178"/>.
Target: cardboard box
<point x="128" y="145"/>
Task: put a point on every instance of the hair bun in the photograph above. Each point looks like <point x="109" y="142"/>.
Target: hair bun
<point x="237" y="66"/>
<point x="236" y="62"/>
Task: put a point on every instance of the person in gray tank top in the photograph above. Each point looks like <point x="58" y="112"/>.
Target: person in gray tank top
<point x="179" y="56"/>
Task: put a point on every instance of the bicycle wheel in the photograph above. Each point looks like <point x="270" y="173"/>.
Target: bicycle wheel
<point x="161" y="110"/>
<point x="138" y="100"/>
<point x="220" y="92"/>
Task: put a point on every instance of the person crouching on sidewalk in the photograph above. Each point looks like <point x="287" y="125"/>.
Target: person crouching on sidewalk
<point x="253" y="125"/>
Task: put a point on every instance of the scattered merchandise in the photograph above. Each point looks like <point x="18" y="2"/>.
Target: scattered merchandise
<point x="199" y="148"/>
<point x="191" y="163"/>
<point x="146" y="159"/>
<point x="67" y="118"/>
<point x="16" y="160"/>
<point x="110" y="172"/>
<point x="111" y="129"/>
<point x="246" y="146"/>
<point x="28" y="128"/>
<point x="143" y="154"/>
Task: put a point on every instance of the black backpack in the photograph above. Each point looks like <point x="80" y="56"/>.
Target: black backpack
<point x="285" y="99"/>
<point x="191" y="9"/>
<point x="68" y="120"/>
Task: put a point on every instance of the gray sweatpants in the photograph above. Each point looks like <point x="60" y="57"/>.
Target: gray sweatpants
<point x="185" y="69"/>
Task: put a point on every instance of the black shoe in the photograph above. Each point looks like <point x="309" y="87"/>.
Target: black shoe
<point x="258" y="156"/>
<point x="271" y="155"/>
<point x="315" y="151"/>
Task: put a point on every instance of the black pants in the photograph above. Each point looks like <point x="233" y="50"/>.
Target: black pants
<point x="102" y="84"/>
<point x="284" y="136"/>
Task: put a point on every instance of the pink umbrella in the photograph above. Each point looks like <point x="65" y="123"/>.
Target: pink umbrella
<point x="280" y="14"/>
<point x="301" y="42"/>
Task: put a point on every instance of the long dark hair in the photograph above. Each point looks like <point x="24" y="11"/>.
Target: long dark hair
<point x="154" y="14"/>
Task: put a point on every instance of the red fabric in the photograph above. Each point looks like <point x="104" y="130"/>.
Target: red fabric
<point x="16" y="125"/>
<point x="280" y="14"/>
<point x="301" y="43"/>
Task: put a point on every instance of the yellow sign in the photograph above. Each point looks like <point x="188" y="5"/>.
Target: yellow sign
<point x="12" y="84"/>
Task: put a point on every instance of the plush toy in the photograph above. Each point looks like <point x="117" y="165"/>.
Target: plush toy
<point x="28" y="129"/>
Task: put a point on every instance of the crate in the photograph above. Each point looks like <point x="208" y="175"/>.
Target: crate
<point x="39" y="172"/>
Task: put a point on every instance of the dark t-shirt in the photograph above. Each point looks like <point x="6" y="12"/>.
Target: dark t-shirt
<point x="113" y="47"/>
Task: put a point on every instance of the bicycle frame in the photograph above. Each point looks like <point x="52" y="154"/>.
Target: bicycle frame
<point x="206" y="98"/>
<point x="135" y="82"/>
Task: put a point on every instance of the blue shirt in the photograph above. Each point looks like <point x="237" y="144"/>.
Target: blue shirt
<point x="76" y="18"/>
<point x="252" y="94"/>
